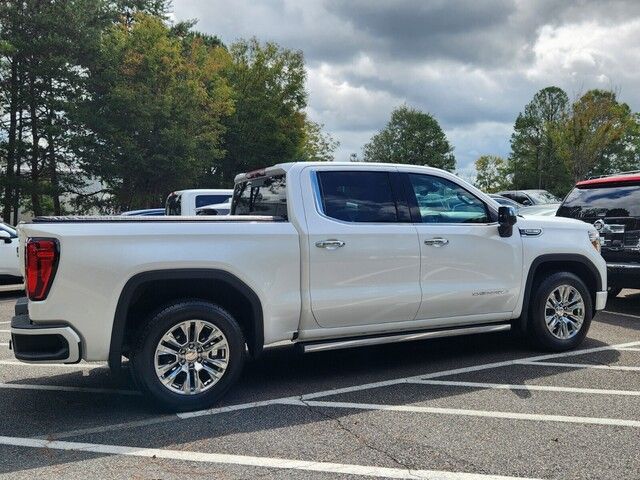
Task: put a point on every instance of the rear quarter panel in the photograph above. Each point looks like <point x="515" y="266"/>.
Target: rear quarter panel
<point x="97" y="260"/>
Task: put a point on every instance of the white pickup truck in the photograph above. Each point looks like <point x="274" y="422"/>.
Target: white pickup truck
<point x="318" y="255"/>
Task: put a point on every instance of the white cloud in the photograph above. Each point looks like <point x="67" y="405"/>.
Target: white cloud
<point x="474" y="68"/>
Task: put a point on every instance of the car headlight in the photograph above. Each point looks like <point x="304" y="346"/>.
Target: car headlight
<point x="594" y="238"/>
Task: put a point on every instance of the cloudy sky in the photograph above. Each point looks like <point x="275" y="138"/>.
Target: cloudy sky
<point x="472" y="64"/>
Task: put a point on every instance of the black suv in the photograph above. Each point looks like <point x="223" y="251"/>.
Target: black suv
<point x="612" y="205"/>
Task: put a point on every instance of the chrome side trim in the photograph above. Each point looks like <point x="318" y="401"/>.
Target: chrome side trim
<point x="530" y="232"/>
<point x="397" y="338"/>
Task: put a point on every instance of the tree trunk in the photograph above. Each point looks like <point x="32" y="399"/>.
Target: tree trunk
<point x="53" y="167"/>
<point x="9" y="188"/>
<point x="20" y="153"/>
<point x="35" y="149"/>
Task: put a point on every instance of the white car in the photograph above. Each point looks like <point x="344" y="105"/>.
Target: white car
<point x="186" y="202"/>
<point x="318" y="255"/>
<point x="9" y="269"/>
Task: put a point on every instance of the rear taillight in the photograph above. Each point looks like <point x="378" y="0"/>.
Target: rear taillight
<point x="42" y="256"/>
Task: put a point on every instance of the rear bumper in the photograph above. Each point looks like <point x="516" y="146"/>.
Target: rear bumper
<point x="623" y="275"/>
<point x="34" y="343"/>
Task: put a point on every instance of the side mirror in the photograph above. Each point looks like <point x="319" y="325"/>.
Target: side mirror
<point x="507" y="218"/>
<point x="526" y="202"/>
<point x="5" y="236"/>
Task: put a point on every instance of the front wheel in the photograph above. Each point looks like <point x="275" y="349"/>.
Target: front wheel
<point x="560" y="313"/>
<point x="188" y="355"/>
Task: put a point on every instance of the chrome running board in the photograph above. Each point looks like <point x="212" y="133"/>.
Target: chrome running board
<point x="401" y="337"/>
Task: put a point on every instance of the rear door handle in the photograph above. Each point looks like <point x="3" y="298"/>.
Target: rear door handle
<point x="436" y="242"/>
<point x="331" y="244"/>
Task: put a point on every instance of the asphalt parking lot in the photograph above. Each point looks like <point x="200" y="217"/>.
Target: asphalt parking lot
<point x="478" y="407"/>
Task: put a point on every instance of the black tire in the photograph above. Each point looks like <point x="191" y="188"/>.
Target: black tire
<point x="537" y="327"/>
<point x="143" y="361"/>
<point x="613" y="292"/>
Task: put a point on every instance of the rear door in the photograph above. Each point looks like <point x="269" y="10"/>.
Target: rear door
<point x="364" y="256"/>
<point x="467" y="268"/>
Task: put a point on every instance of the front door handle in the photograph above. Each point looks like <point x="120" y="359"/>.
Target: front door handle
<point x="436" y="242"/>
<point x="331" y="244"/>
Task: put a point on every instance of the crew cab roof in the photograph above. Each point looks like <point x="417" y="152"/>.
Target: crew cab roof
<point x="605" y="181"/>
<point x="283" y="168"/>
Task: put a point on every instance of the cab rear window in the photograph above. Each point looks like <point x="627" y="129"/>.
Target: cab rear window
<point x="613" y="201"/>
<point x="261" y="196"/>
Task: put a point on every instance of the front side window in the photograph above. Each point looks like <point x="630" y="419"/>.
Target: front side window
<point x="261" y="196"/>
<point x="442" y="201"/>
<point x="357" y="196"/>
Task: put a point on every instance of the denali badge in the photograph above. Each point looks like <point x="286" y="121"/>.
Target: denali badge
<point x="488" y="292"/>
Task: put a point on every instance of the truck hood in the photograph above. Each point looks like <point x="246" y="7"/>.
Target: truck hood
<point x="546" y="222"/>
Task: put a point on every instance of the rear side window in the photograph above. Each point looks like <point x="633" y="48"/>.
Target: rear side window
<point x="174" y="204"/>
<point x="203" y="200"/>
<point x="357" y="196"/>
<point x="261" y="196"/>
<point x="613" y="201"/>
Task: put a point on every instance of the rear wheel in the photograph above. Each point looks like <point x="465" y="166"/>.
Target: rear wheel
<point x="188" y="355"/>
<point x="560" y="313"/>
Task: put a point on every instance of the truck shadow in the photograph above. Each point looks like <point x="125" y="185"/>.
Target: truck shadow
<point x="276" y="374"/>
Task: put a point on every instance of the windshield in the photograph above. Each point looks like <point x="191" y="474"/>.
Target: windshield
<point x="8" y="228"/>
<point x="542" y="196"/>
<point x="174" y="204"/>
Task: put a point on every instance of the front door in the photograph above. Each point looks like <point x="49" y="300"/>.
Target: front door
<point x="364" y="256"/>
<point x="467" y="268"/>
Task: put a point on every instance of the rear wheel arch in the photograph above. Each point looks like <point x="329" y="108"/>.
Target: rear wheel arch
<point x="548" y="264"/>
<point x="146" y="292"/>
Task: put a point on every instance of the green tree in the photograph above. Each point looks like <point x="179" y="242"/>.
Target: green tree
<point x="534" y="161"/>
<point x="161" y="103"/>
<point x="600" y="135"/>
<point x="268" y="124"/>
<point x="491" y="174"/>
<point x="317" y="145"/>
<point x="411" y="137"/>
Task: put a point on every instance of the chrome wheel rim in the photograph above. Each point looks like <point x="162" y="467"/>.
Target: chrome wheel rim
<point x="564" y="312"/>
<point x="191" y="357"/>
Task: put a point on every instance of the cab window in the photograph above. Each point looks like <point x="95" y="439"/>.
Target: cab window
<point x="442" y="201"/>
<point x="357" y="196"/>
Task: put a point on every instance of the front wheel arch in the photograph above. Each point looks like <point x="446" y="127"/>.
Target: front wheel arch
<point x="548" y="264"/>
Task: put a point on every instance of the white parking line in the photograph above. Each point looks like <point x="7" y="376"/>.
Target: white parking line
<point x="295" y="399"/>
<point x="629" y="349"/>
<point x="5" y="331"/>
<point x="477" y="413"/>
<point x="77" y="366"/>
<point x="621" y="314"/>
<point x="61" y="388"/>
<point x="541" y="388"/>
<point x="4" y="323"/>
<point x="4" y="344"/>
<point x="249" y="461"/>
<point x="582" y="365"/>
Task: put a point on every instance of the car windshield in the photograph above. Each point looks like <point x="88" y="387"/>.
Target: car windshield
<point x="8" y="228"/>
<point x="542" y="196"/>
